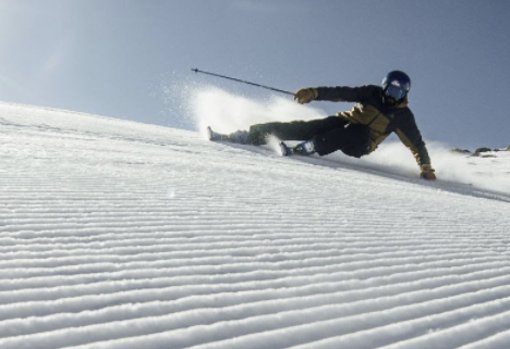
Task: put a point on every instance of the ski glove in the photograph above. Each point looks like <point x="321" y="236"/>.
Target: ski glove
<point x="427" y="172"/>
<point x="305" y="95"/>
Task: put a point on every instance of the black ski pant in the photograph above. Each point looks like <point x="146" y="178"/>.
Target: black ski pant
<point x="330" y="134"/>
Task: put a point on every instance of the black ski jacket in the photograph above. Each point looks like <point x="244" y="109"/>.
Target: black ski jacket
<point x="381" y="119"/>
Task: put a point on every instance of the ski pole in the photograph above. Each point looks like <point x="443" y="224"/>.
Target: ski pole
<point x="242" y="81"/>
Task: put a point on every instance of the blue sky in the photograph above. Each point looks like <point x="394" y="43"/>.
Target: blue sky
<point x="118" y="57"/>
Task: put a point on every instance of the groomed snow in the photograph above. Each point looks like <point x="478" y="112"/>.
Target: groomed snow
<point x="115" y="234"/>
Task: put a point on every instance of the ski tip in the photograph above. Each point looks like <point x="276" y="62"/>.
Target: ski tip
<point x="284" y="149"/>
<point x="215" y="136"/>
<point x="209" y="133"/>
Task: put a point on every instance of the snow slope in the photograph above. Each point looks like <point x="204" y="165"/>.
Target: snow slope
<point x="115" y="234"/>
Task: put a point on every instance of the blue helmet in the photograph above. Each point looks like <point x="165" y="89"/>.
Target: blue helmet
<point x="396" y="84"/>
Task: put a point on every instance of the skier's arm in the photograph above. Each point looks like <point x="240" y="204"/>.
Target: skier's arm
<point x="411" y="137"/>
<point x="344" y="93"/>
<point x="334" y="94"/>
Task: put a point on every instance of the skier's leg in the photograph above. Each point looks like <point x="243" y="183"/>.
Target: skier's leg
<point x="353" y="140"/>
<point x="296" y="130"/>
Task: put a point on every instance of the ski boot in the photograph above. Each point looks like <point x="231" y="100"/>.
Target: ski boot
<point x="306" y="148"/>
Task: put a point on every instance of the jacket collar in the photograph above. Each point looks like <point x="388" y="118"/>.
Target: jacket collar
<point x="404" y="103"/>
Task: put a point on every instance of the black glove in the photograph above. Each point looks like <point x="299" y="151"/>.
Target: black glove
<point x="427" y="172"/>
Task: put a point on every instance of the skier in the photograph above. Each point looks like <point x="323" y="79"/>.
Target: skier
<point x="380" y="110"/>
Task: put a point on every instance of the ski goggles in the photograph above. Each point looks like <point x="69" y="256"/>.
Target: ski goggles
<point x="396" y="92"/>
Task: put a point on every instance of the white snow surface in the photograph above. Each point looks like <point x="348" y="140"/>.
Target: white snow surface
<point x="115" y="234"/>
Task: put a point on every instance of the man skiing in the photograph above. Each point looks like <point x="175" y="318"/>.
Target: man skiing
<point x="380" y="110"/>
